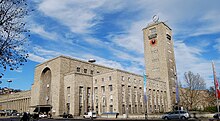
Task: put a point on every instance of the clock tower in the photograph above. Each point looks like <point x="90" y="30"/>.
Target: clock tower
<point x="160" y="67"/>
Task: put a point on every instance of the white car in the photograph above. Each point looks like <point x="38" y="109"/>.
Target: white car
<point x="179" y="114"/>
<point x="90" y="115"/>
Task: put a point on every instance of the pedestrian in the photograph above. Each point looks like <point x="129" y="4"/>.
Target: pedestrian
<point x="50" y="115"/>
<point x="25" y="117"/>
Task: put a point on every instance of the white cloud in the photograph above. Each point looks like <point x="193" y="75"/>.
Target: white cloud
<point x="36" y="58"/>
<point x="44" y="52"/>
<point x="217" y="46"/>
<point x="129" y="57"/>
<point x="78" y="16"/>
<point x="186" y="18"/>
<point x="40" y="30"/>
<point x="133" y="38"/>
<point x="188" y="59"/>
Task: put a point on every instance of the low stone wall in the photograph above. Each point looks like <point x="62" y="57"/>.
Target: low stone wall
<point x="157" y="116"/>
<point x="133" y="116"/>
<point x="199" y="115"/>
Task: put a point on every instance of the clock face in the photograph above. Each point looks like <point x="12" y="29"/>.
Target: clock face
<point x="153" y="42"/>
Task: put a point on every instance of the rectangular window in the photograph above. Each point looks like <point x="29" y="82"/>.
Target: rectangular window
<point x="80" y="90"/>
<point x="123" y="88"/>
<point x="122" y="78"/>
<point x="153" y="30"/>
<point x="111" y="108"/>
<point x="111" y="100"/>
<point x="103" y="80"/>
<point x="168" y="37"/>
<point x="95" y="81"/>
<point x="96" y="99"/>
<point x="80" y="99"/>
<point x="85" y="70"/>
<point x="110" y="88"/>
<point x="96" y="90"/>
<point x="68" y="90"/>
<point x="129" y="89"/>
<point x="110" y="78"/>
<point x="68" y="98"/>
<point x="88" y="91"/>
<point x="169" y="51"/>
<point x="78" y="69"/>
<point x="103" y="89"/>
<point x="91" y="72"/>
<point x="170" y="60"/>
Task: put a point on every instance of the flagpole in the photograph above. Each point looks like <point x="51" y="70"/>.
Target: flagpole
<point x="177" y="91"/>
<point x="216" y="88"/>
<point x="145" y="91"/>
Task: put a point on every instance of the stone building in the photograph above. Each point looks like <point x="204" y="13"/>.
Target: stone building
<point x="66" y="84"/>
<point x="74" y="86"/>
<point x="19" y="101"/>
<point x="160" y="67"/>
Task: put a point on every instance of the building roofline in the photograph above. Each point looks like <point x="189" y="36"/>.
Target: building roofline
<point x="153" y="24"/>
<point x="129" y="72"/>
<point x="62" y="56"/>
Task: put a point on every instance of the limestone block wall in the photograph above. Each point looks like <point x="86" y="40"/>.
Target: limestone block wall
<point x="131" y="93"/>
<point x="159" y="58"/>
<point x="19" y="101"/>
<point x="106" y="96"/>
<point x="36" y="96"/>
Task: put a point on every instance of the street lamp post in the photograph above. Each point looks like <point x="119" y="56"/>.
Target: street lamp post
<point x="92" y="61"/>
<point x="9" y="81"/>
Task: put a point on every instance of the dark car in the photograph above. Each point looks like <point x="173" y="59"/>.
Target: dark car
<point x="67" y="115"/>
<point x="216" y="116"/>
<point x="2" y="113"/>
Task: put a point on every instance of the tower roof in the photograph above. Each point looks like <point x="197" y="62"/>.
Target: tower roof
<point x="156" y="23"/>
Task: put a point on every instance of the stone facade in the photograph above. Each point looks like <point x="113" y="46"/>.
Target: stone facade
<point x="66" y="84"/>
<point x="160" y="67"/>
<point x="19" y="101"/>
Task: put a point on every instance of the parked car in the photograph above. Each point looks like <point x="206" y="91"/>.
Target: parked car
<point x="16" y="114"/>
<point x="90" y="115"/>
<point x="216" y="116"/>
<point x="176" y="115"/>
<point x="67" y="115"/>
<point x="2" y="113"/>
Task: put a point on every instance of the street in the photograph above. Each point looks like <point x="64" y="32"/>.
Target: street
<point x="66" y="119"/>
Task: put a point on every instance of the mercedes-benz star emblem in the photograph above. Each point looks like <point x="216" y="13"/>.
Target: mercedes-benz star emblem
<point x="155" y="18"/>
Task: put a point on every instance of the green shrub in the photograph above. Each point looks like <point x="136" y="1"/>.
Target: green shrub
<point x="212" y="109"/>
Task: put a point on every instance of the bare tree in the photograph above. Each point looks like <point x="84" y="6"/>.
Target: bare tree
<point x="193" y="93"/>
<point x="13" y="34"/>
<point x="211" y="98"/>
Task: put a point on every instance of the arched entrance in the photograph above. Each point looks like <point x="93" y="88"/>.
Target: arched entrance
<point x="45" y="87"/>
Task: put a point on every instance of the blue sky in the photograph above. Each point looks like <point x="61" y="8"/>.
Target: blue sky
<point x="110" y="31"/>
